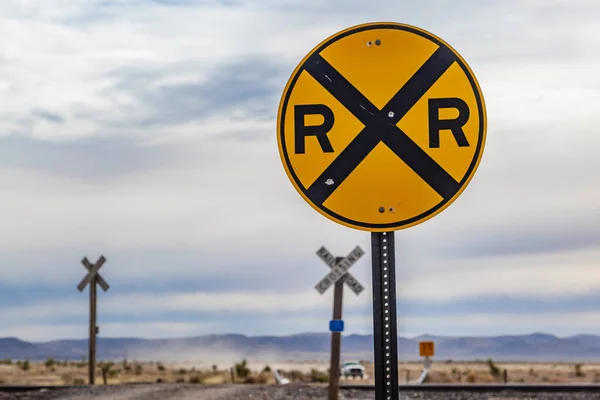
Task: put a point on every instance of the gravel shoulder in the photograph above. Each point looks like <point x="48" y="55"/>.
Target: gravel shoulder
<point x="136" y="392"/>
<point x="264" y="392"/>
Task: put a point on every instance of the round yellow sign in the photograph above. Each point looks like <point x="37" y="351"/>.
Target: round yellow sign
<point x="381" y="126"/>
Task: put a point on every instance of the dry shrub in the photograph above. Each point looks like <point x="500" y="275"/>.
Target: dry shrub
<point x="25" y="366"/>
<point x="67" y="378"/>
<point x="487" y="378"/>
<point x="471" y="377"/>
<point x="440" y="377"/>
<point x="262" y="378"/>
<point x="216" y="379"/>
<point x="242" y="370"/>
<point x="250" y="379"/>
<point x="494" y="370"/>
<point x="295" y="375"/>
<point x="318" y="376"/>
<point x="558" y="379"/>
<point x="72" y="378"/>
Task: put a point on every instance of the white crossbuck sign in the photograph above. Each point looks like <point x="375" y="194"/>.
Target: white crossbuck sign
<point x="339" y="270"/>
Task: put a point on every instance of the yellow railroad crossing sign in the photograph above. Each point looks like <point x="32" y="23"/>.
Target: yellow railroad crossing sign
<point x="381" y="126"/>
<point x="426" y="349"/>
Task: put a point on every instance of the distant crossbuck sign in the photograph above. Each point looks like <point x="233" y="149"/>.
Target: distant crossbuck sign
<point x="93" y="274"/>
<point x="339" y="270"/>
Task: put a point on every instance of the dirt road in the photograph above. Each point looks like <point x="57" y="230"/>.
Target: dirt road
<point x="260" y="392"/>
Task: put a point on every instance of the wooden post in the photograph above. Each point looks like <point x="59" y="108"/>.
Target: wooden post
<point x="407" y="376"/>
<point x="92" y="341"/>
<point x="93" y="278"/>
<point x="338" y="277"/>
<point x="104" y="375"/>
<point x="336" y="341"/>
<point x="505" y="376"/>
<point x="232" y="375"/>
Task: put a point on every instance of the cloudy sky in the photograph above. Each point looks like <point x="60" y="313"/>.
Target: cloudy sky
<point x="146" y="131"/>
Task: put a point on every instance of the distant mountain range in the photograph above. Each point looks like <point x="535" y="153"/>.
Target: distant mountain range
<point x="309" y="347"/>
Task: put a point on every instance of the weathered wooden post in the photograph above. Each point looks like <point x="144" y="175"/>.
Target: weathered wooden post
<point x="93" y="278"/>
<point x="338" y="276"/>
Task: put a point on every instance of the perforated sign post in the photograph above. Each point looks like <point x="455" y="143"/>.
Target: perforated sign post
<point x="380" y="128"/>
<point x="338" y="276"/>
<point x="93" y="278"/>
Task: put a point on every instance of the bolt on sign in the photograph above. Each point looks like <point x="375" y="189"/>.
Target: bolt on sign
<point x="381" y="126"/>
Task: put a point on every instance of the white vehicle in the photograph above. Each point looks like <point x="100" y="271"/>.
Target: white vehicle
<point x="353" y="369"/>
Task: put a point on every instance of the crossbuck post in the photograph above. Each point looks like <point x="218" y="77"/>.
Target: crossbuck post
<point x="338" y="276"/>
<point x="93" y="278"/>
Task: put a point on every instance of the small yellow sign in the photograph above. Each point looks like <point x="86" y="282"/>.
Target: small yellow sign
<point x="381" y="126"/>
<point x="426" y="349"/>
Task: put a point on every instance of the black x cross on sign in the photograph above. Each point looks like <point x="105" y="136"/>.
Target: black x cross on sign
<point x="93" y="274"/>
<point x="380" y="126"/>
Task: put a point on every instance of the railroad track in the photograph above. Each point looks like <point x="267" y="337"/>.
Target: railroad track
<point x="37" y="388"/>
<point x="430" y="387"/>
<point x="32" y="388"/>
<point x="517" y="387"/>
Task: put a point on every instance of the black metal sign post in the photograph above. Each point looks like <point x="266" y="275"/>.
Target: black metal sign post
<point x="385" y="335"/>
<point x="332" y="87"/>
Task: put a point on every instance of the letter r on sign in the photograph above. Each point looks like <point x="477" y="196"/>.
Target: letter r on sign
<point x="301" y="130"/>
<point x="453" y="125"/>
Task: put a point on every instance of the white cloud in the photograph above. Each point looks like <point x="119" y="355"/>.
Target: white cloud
<point x="551" y="276"/>
<point x="153" y="330"/>
<point x="238" y="302"/>
<point x="149" y="304"/>
<point x="222" y="203"/>
<point x="503" y="323"/>
<point x="449" y="324"/>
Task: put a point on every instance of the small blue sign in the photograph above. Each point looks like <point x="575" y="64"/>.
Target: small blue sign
<point x="336" y="325"/>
